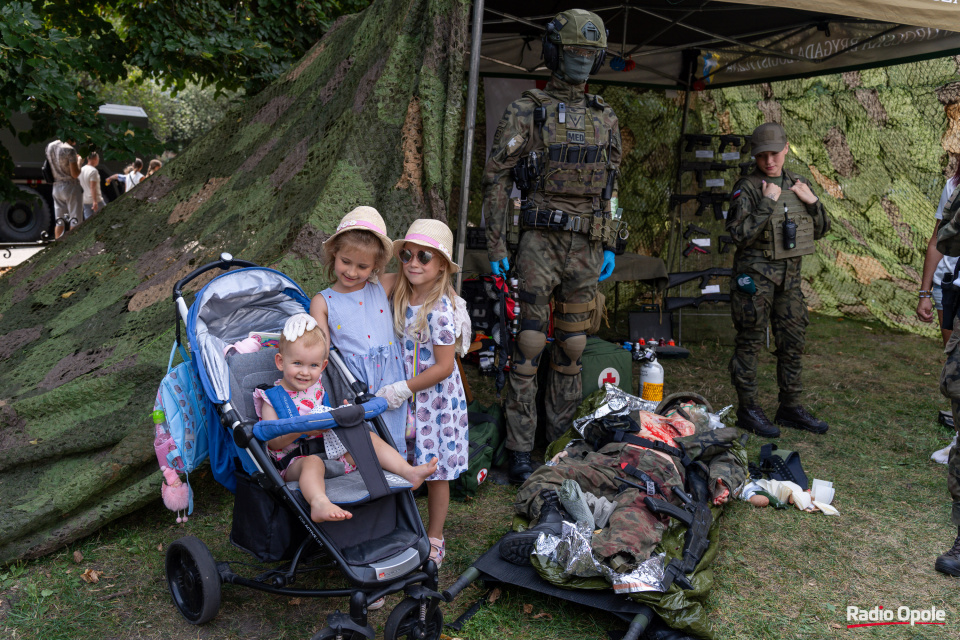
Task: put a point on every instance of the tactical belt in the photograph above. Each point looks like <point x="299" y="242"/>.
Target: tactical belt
<point x="653" y="488"/>
<point x="308" y="448"/>
<point x="555" y="220"/>
<point x="597" y="226"/>
<point x="623" y="436"/>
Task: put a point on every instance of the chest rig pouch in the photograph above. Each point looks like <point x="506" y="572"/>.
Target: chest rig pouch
<point x="575" y="161"/>
<point x="771" y="240"/>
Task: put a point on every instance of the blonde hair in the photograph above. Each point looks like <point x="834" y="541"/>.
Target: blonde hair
<point x="309" y="339"/>
<point x="403" y="291"/>
<point x="354" y="239"/>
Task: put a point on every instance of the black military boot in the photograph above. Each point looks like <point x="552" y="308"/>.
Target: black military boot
<point x="521" y="466"/>
<point x="752" y="418"/>
<point x="949" y="562"/>
<point x="516" y="546"/>
<point x="798" y="418"/>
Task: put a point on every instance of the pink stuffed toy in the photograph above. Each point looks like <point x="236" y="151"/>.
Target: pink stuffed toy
<point x="176" y="493"/>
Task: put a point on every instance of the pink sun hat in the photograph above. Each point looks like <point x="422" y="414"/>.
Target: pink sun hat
<point x="365" y="219"/>
<point x="430" y="233"/>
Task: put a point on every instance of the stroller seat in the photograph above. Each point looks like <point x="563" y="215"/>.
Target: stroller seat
<point x="250" y="370"/>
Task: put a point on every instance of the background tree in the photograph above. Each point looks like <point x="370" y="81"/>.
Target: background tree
<point x="49" y="53"/>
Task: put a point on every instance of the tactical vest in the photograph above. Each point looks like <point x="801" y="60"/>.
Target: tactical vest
<point x="771" y="238"/>
<point x="576" y="161"/>
<point x="576" y="144"/>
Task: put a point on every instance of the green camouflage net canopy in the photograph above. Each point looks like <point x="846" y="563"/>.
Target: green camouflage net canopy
<point x="371" y="115"/>
<point x="878" y="146"/>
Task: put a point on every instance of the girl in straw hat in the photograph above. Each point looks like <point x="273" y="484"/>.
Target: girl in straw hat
<point x="428" y="316"/>
<point x="357" y="311"/>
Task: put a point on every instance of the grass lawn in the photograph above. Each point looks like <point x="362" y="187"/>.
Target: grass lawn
<point x="779" y="574"/>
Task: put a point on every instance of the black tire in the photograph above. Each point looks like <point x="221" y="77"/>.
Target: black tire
<point x="404" y="622"/>
<point x="193" y="580"/>
<point x="331" y="634"/>
<point x="25" y="219"/>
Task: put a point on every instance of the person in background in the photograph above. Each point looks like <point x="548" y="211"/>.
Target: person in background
<point x="67" y="194"/>
<point x="90" y="184"/>
<point x="134" y="177"/>
<point x="154" y="166"/>
<point x="766" y="282"/>
<point x="936" y="266"/>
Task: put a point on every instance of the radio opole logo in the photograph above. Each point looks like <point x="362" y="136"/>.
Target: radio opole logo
<point x="879" y="616"/>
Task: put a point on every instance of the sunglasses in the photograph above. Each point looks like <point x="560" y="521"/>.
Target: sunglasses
<point x="423" y="256"/>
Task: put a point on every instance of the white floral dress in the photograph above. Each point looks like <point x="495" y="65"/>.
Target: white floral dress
<point x="440" y="412"/>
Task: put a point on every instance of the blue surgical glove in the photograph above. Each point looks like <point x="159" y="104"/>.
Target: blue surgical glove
<point x="500" y="267"/>
<point x="608" y="264"/>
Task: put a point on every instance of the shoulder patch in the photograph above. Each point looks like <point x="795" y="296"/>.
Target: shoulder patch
<point x="735" y="194"/>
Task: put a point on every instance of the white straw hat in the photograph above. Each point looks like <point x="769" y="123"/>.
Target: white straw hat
<point x="365" y="219"/>
<point x="430" y="233"/>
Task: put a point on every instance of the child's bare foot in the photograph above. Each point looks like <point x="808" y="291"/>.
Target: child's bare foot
<point x="416" y="475"/>
<point x="322" y="510"/>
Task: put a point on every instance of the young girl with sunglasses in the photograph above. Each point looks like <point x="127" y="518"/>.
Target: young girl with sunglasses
<point x="428" y="316"/>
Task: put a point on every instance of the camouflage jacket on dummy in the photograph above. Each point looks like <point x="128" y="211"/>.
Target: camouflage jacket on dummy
<point x="633" y="532"/>
<point x="749" y="220"/>
<point x="572" y="187"/>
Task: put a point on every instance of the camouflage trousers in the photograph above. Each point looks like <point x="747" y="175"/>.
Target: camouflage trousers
<point x="565" y="265"/>
<point x="784" y="308"/>
<point x="633" y="531"/>
<point x="950" y="387"/>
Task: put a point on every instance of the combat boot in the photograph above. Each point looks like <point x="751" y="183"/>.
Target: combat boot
<point x="521" y="466"/>
<point x="516" y="547"/>
<point x="752" y="418"/>
<point x="798" y="418"/>
<point x="949" y="562"/>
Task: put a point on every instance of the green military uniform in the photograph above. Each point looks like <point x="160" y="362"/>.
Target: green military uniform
<point x="752" y="222"/>
<point x="563" y="231"/>
<point x="633" y="530"/>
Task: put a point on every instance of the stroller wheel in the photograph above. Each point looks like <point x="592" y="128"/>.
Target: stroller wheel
<point x="404" y="623"/>
<point x="193" y="580"/>
<point x="331" y="634"/>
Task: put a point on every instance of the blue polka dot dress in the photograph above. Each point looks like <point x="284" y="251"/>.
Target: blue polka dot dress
<point x="440" y="412"/>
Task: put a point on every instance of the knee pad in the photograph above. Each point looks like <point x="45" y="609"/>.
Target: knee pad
<point x="530" y="345"/>
<point x="567" y="354"/>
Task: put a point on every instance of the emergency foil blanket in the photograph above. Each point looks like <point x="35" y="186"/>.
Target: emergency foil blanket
<point x="616" y="403"/>
<point x="572" y="553"/>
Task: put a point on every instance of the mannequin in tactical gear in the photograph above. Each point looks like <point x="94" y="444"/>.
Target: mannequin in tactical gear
<point x="562" y="148"/>
<point x="774" y="219"/>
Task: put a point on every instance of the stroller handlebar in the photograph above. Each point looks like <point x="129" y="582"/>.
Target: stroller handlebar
<point x="225" y="262"/>
<point x="269" y="429"/>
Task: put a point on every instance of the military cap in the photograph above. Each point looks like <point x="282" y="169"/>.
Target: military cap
<point x="768" y="137"/>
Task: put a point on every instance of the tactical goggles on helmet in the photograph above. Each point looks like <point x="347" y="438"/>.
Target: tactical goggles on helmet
<point x="423" y="256"/>
<point x="583" y="52"/>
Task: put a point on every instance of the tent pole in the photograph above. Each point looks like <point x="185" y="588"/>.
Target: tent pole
<point x="673" y="253"/>
<point x="468" y="133"/>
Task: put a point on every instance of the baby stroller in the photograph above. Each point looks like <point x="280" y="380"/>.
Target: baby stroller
<point x="382" y="550"/>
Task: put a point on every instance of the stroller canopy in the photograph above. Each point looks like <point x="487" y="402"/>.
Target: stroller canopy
<point x="228" y="309"/>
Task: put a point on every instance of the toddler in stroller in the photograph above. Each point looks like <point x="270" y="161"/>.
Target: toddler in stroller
<point x="308" y="457"/>
<point x="383" y="549"/>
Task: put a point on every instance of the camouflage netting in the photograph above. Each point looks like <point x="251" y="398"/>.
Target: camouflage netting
<point x="876" y="144"/>
<point x="372" y="115"/>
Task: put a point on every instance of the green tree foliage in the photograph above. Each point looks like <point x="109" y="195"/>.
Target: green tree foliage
<point x="51" y="51"/>
<point x="175" y="119"/>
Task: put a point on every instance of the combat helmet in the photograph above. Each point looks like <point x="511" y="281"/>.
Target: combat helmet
<point x="574" y="27"/>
